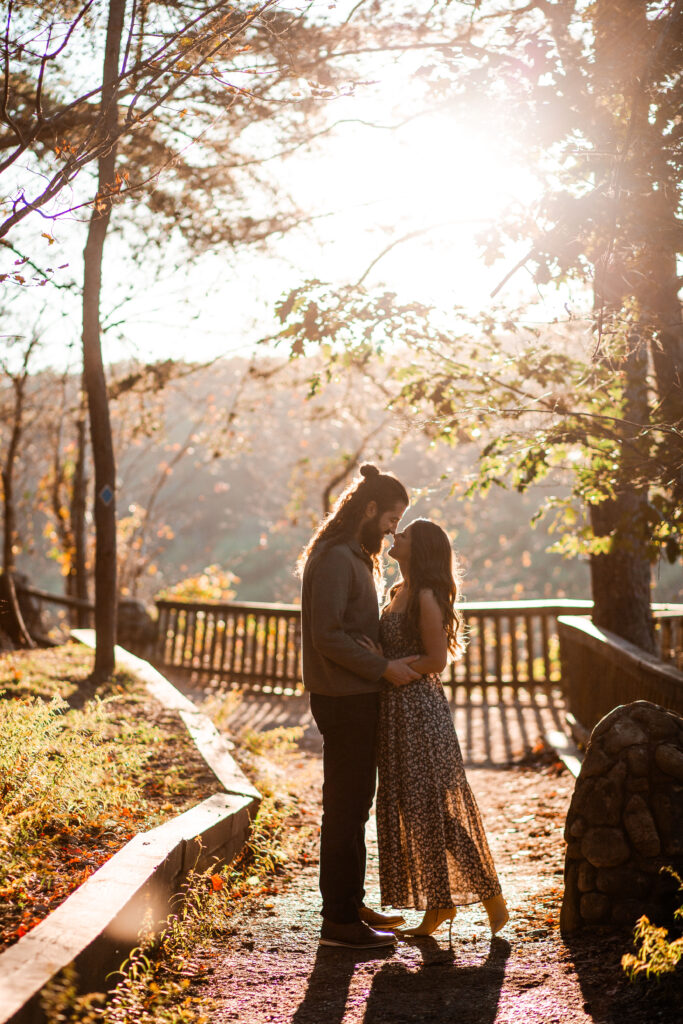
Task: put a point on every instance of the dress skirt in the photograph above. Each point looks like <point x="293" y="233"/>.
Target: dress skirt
<point x="433" y="850"/>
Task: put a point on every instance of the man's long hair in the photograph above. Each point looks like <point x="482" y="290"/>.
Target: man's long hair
<point x="344" y="519"/>
<point x="433" y="566"/>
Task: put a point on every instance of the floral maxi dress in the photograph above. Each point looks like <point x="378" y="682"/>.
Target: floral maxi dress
<point x="432" y="845"/>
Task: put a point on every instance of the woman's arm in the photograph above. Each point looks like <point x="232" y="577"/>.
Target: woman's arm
<point x="433" y="636"/>
<point x="399" y="671"/>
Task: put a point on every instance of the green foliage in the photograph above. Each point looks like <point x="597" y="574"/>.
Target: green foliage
<point x="586" y="93"/>
<point x="76" y="783"/>
<point x="552" y="413"/>
<point x="212" y="584"/>
<point x="656" y="954"/>
<point x="59" y="765"/>
<point x="350" y="323"/>
<point x="69" y="794"/>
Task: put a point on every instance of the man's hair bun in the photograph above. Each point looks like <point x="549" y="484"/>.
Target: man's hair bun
<point x="369" y="471"/>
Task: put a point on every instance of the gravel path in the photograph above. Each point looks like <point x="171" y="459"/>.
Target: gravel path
<point x="269" y="968"/>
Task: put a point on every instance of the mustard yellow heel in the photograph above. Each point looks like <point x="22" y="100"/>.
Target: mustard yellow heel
<point x="497" y="912"/>
<point x="432" y="920"/>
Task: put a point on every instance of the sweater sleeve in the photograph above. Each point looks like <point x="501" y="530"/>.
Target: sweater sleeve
<point x="330" y="589"/>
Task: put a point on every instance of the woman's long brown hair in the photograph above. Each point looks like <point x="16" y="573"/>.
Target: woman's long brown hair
<point x="433" y="566"/>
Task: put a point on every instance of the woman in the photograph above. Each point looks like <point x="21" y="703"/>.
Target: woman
<point x="433" y="853"/>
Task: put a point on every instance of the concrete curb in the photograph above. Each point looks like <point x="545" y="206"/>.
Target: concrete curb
<point x="98" y="925"/>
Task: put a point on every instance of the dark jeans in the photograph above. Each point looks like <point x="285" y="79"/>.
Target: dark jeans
<point x="349" y="728"/>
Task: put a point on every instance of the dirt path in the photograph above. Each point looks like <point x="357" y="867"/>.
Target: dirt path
<point x="269" y="968"/>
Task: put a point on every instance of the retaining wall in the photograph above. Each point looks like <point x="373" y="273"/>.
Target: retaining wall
<point x="98" y="925"/>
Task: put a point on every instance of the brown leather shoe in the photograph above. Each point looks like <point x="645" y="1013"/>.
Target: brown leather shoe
<point x="381" y="921"/>
<point x="354" y="936"/>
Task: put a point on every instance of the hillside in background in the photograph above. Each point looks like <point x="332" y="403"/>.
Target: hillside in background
<point x="235" y="463"/>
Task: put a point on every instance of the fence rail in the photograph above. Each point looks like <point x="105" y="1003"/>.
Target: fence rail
<point x="601" y="671"/>
<point x="52" y="615"/>
<point x="511" y="643"/>
<point x="257" y="646"/>
<point x="669" y="634"/>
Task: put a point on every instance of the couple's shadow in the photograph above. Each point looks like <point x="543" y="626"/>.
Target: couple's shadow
<point x="444" y="988"/>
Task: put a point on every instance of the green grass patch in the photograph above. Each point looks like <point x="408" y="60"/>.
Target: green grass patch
<point x="82" y="770"/>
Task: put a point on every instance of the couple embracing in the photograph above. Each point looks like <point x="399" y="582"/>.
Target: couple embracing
<point x="376" y="696"/>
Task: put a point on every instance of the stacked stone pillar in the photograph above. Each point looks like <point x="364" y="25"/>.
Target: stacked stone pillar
<point x="625" y="820"/>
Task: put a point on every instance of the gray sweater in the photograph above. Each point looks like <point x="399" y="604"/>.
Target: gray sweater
<point x="338" y="603"/>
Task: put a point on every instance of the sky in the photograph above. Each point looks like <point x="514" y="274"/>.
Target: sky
<point x="365" y="189"/>
<point x="429" y="186"/>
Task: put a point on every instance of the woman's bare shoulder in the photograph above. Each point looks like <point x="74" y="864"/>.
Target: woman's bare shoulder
<point x="429" y="605"/>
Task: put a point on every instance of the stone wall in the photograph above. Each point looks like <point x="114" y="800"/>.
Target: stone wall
<point x="625" y="820"/>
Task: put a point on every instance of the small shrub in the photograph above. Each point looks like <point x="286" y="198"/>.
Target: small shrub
<point x="76" y="785"/>
<point x="656" y="954"/>
<point x="211" y="584"/>
<point x="274" y="742"/>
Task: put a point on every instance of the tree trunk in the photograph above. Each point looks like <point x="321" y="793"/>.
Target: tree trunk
<point x="9" y="517"/>
<point x="667" y="360"/>
<point x="19" y="629"/>
<point x="93" y="369"/>
<point x="621" y="577"/>
<point x="77" y="515"/>
<point x="17" y="626"/>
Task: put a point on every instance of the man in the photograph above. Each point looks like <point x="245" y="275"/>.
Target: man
<point x="341" y="570"/>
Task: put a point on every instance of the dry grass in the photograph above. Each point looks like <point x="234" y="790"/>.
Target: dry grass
<point x="76" y="783"/>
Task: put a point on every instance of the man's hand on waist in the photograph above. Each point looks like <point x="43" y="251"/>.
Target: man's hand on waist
<point x="398" y="672"/>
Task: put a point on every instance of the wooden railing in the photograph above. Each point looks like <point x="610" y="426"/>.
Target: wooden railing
<point x="511" y="643"/>
<point x="55" y="613"/>
<point x="669" y="633"/>
<point x="601" y="671"/>
<point x="257" y="646"/>
<point x="254" y="645"/>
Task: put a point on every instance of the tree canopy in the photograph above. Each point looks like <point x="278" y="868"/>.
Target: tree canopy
<point x="592" y="95"/>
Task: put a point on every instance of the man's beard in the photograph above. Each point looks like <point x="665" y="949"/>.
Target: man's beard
<point x="371" y="537"/>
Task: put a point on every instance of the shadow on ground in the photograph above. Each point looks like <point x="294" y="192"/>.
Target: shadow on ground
<point x="440" y="990"/>
<point x="495" y="726"/>
<point x="609" y="997"/>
